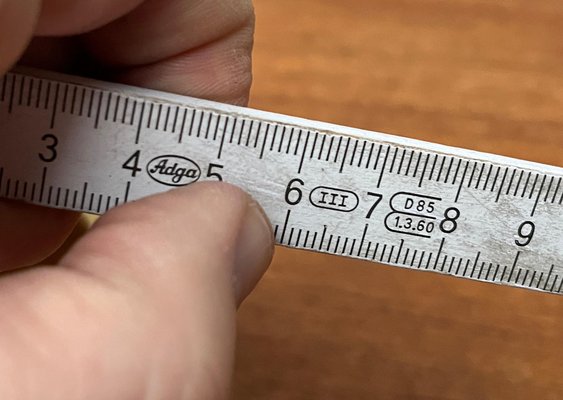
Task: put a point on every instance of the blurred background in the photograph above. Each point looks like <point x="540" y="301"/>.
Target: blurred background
<point x="480" y="74"/>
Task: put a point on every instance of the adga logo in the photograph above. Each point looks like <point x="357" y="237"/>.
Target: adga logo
<point x="173" y="170"/>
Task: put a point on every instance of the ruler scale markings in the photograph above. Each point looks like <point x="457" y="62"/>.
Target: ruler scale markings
<point x="285" y="226"/>
<point x="304" y="152"/>
<point x="515" y="262"/>
<point x="393" y="159"/>
<point x="443" y="265"/>
<point x="11" y="99"/>
<point x="411" y="155"/>
<point x="125" y="109"/>
<point x="383" y="167"/>
<point x="3" y="91"/>
<point x="370" y="155"/>
<point x="20" y="93"/>
<point x="532" y="278"/>
<point x="533" y="187"/>
<point x="42" y="187"/>
<point x="30" y="92"/>
<point x="481" y="171"/>
<point x="8" y="186"/>
<point x="263" y="148"/>
<point x="362" y="240"/>
<point x="538" y="196"/>
<point x="521" y="174"/>
<point x="345" y="154"/>
<point x="323" y="140"/>
<point x="289" y="141"/>
<point x="364" y="144"/>
<point x="91" y="203"/>
<point x="450" y="267"/>
<point x="140" y="123"/>
<point x="167" y="119"/>
<point x="199" y="125"/>
<point x="399" y="252"/>
<point x="390" y="254"/>
<point x="116" y="108"/>
<point x="498" y="168"/>
<point x="299" y="233"/>
<point x="337" y="152"/>
<point x="127" y="191"/>
<point x="99" y="109"/>
<point x="257" y="135"/>
<point x="377" y="157"/>
<point x="314" y="146"/>
<point x="436" y="166"/>
<point x="331" y="141"/>
<point x="330" y="237"/>
<point x="16" y="189"/>
<point x="352" y="158"/>
<point x="58" y="196"/>
<point x="108" y="106"/>
<point x="431" y="174"/>
<point x="290" y="236"/>
<point x="158" y="116"/>
<point x="526" y="184"/>
<point x="501" y="185"/>
<point x="406" y="256"/>
<point x="336" y="245"/>
<point x="352" y="248"/>
<point x="488" y="271"/>
<point x="556" y="190"/>
<point x="440" y="168"/>
<point x="481" y="270"/>
<point x="472" y="175"/>
<point x="548" y="276"/>
<point x="460" y="161"/>
<point x="548" y="191"/>
<point x="250" y="134"/>
<point x="551" y="289"/>
<point x="282" y="138"/>
<point x="518" y="275"/>
<point x="65" y="98"/>
<point x="419" y="266"/>
<point x="55" y="104"/>
<point x="223" y="136"/>
<point x="72" y="102"/>
<point x="460" y="186"/>
<point x="297" y="147"/>
<point x="216" y="130"/>
<point x="416" y="167"/>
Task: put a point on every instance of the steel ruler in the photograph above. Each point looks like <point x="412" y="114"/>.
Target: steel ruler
<point x="84" y="145"/>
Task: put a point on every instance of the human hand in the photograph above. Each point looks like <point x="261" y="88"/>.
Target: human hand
<point x="143" y="306"/>
<point x="200" y="48"/>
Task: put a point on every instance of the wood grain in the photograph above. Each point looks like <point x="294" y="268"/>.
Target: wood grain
<point x="480" y="74"/>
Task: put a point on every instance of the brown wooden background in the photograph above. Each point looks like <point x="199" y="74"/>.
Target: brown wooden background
<point x="482" y="74"/>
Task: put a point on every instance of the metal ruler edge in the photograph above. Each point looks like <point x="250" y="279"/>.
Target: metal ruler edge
<point x="86" y="145"/>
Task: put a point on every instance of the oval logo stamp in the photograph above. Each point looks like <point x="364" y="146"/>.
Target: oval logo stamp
<point x="172" y="170"/>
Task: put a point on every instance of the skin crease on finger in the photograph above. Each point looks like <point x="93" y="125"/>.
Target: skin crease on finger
<point x="71" y="17"/>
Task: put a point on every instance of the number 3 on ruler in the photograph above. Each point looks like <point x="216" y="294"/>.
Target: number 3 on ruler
<point x="51" y="143"/>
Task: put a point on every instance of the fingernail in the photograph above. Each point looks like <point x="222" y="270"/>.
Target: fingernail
<point x="255" y="248"/>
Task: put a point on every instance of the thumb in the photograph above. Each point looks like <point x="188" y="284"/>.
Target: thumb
<point x="142" y="307"/>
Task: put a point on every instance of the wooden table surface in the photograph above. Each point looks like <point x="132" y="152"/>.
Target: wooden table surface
<point x="481" y="74"/>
